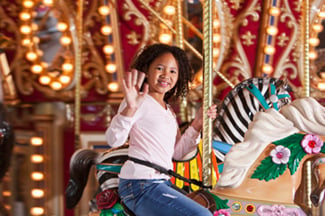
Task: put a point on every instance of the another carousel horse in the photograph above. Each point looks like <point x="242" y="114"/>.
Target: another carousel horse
<point x="7" y="141"/>
<point x="241" y="104"/>
<point x="7" y="138"/>
<point x="262" y="173"/>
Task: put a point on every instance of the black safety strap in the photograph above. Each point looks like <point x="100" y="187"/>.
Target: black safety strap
<point x="168" y="172"/>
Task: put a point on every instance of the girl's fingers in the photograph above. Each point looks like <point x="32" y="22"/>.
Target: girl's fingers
<point x="141" y="77"/>
<point x="134" y="77"/>
<point x="145" y="89"/>
<point x="128" y="81"/>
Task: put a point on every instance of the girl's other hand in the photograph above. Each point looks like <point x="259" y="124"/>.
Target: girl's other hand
<point x="198" y="120"/>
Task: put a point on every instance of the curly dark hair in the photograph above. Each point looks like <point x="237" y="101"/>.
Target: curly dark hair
<point x="148" y="54"/>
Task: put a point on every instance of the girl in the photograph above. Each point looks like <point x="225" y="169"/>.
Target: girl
<point x="149" y="121"/>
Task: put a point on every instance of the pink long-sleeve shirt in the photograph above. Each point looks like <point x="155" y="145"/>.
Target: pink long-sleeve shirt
<point x="152" y="133"/>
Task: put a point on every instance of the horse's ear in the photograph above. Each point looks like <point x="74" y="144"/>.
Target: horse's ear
<point x="286" y="85"/>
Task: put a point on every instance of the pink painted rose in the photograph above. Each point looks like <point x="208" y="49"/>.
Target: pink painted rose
<point x="221" y="212"/>
<point x="311" y="144"/>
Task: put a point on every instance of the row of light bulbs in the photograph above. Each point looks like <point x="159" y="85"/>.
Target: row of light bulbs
<point x="37" y="175"/>
<point x="166" y="36"/>
<point x="272" y="31"/>
<point x="108" y="48"/>
<point x="31" y="42"/>
<point x="28" y="28"/>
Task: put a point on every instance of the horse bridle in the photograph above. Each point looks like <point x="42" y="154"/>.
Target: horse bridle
<point x="274" y="97"/>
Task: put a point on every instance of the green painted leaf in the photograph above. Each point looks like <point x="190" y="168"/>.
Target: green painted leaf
<point x="291" y="140"/>
<point x="268" y="170"/>
<point x="220" y="203"/>
<point x="295" y="160"/>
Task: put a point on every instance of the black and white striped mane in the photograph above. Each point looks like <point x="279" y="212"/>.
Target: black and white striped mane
<point x="243" y="102"/>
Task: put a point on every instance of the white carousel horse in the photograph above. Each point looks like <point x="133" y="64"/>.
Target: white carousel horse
<point x="241" y="104"/>
<point x="262" y="174"/>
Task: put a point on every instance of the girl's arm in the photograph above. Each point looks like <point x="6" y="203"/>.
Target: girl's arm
<point x="188" y="142"/>
<point x="118" y="131"/>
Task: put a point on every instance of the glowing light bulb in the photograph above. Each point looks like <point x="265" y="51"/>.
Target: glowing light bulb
<point x="312" y="55"/>
<point x="56" y="85"/>
<point x="48" y="2"/>
<point x="165" y="38"/>
<point x="108" y="49"/>
<point x="37" y="193"/>
<point x="25" y="16"/>
<point x="65" y="79"/>
<point x="268" y="69"/>
<point x="106" y="30"/>
<point x="25" y="29"/>
<point x="62" y="26"/>
<point x="274" y="11"/>
<point x="44" y="80"/>
<point x="216" y="52"/>
<point x="36" y="158"/>
<point x="321" y="14"/>
<point x="31" y="56"/>
<point x="270" y="50"/>
<point x="314" y="41"/>
<point x="169" y="10"/>
<point x="68" y="67"/>
<point x="36" y="211"/>
<point x="65" y="40"/>
<point x="113" y="86"/>
<point x="216" y="38"/>
<point x="272" y="30"/>
<point x="216" y="23"/>
<point x="37" y="176"/>
<point x="36" y="68"/>
<point x="317" y="27"/>
<point x="36" y="141"/>
<point x="110" y="68"/>
<point x="321" y="86"/>
<point x="26" y="42"/>
<point x="104" y="10"/>
<point x="28" y="4"/>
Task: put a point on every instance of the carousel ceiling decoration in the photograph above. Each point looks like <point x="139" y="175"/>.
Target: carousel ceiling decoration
<point x="250" y="38"/>
<point x="268" y="40"/>
<point x="45" y="33"/>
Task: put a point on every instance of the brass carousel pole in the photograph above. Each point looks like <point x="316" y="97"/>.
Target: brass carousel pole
<point x="78" y="69"/>
<point x="306" y="84"/>
<point x="183" y="100"/>
<point x="207" y="93"/>
<point x="180" y="43"/>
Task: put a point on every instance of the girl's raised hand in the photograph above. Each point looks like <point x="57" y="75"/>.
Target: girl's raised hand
<point x="131" y="86"/>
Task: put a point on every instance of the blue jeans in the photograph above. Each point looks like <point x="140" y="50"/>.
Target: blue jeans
<point x="157" y="198"/>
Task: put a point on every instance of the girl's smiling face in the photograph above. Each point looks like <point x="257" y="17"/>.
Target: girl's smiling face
<point x="162" y="74"/>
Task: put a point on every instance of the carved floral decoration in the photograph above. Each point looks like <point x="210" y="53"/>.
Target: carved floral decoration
<point x="287" y="154"/>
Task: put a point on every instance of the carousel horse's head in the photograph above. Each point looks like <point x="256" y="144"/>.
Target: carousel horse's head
<point x="7" y="140"/>
<point x="318" y="168"/>
<point x="241" y="104"/>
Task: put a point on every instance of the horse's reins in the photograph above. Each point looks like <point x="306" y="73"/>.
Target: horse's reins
<point x="273" y="97"/>
<point x="169" y="172"/>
